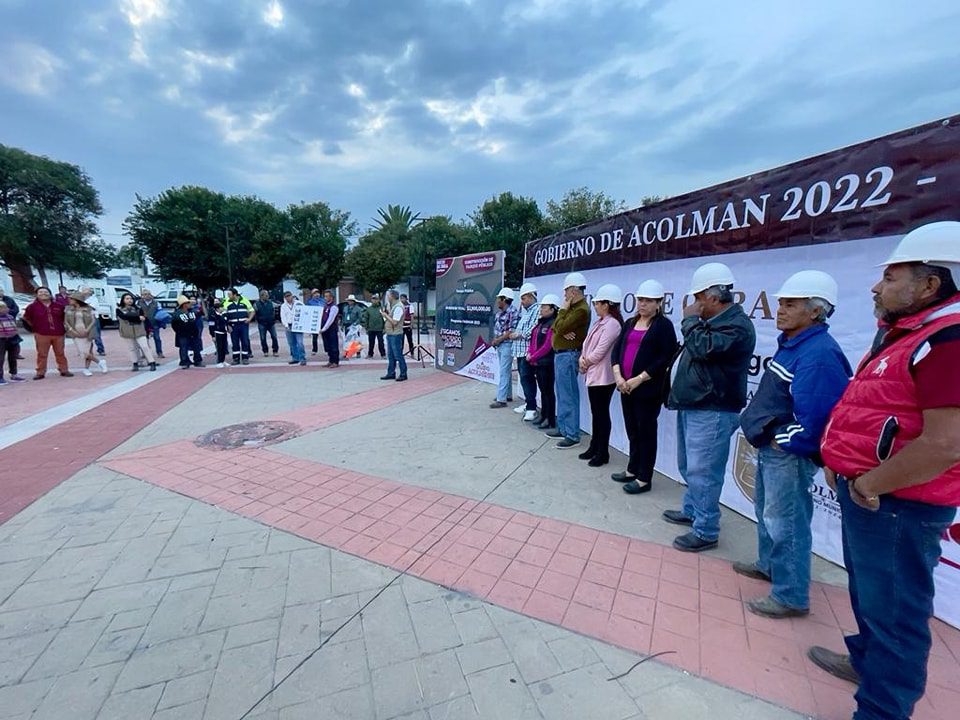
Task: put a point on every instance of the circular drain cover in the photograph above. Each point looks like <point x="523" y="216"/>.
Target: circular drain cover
<point x="250" y="434"/>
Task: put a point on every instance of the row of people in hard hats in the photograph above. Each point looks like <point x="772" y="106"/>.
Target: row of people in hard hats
<point x="889" y="438"/>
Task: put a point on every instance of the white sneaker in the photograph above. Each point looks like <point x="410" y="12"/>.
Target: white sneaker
<point x="529" y="415"/>
<point x="87" y="373"/>
<point x="103" y="365"/>
<point x="220" y="365"/>
<point x="520" y="408"/>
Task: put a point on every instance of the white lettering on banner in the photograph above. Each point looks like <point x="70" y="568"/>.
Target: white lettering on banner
<point x="759" y="274"/>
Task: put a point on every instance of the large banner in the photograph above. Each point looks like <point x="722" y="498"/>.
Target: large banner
<point x="467" y="288"/>
<point x="841" y="212"/>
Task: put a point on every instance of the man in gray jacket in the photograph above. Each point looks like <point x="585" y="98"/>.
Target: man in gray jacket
<point x="709" y="391"/>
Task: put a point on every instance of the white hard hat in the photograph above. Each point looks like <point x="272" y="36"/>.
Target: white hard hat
<point x="935" y="243"/>
<point x="574" y="279"/>
<point x="506" y="293"/>
<point x="711" y="274"/>
<point x="551" y="299"/>
<point x="809" y="284"/>
<point x="528" y="288"/>
<point x="610" y="293"/>
<point x="352" y="297"/>
<point x="650" y="289"/>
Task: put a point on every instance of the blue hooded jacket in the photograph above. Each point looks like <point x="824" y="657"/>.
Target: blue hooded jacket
<point x="804" y="380"/>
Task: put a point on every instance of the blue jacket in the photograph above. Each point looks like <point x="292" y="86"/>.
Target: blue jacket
<point x="805" y="379"/>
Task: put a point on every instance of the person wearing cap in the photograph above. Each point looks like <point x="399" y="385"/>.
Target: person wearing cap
<point x="709" y="391"/>
<point x="352" y="313"/>
<point x="598" y="371"/>
<point x="239" y="313"/>
<point x="785" y="421"/>
<point x="373" y="323"/>
<point x="529" y="314"/>
<point x="540" y="357"/>
<point x="219" y="331"/>
<point x="294" y="339"/>
<point x="315" y="299"/>
<point x="185" y="332"/>
<point x="265" y="313"/>
<point x="504" y="325"/>
<point x="569" y="332"/>
<point x="79" y="322"/>
<point x="641" y="357"/>
<point x="393" y="329"/>
<point x="892" y="454"/>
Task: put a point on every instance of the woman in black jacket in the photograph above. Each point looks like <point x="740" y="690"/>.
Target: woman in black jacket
<point x="641" y="359"/>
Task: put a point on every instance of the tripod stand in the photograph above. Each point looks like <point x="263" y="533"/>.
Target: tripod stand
<point x="419" y="349"/>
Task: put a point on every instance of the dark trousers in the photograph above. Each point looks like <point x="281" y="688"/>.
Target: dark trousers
<point x="408" y="336"/>
<point x="220" y="342"/>
<point x="640" y="420"/>
<point x="331" y="345"/>
<point x="10" y="348"/>
<point x="188" y="346"/>
<point x="600" y="396"/>
<point x="528" y="381"/>
<point x="890" y="555"/>
<point x="270" y="329"/>
<point x="315" y="338"/>
<point x="196" y="347"/>
<point x="376" y="335"/>
<point x="240" y="341"/>
<point x="548" y="397"/>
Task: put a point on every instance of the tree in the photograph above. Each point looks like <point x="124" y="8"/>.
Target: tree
<point x="651" y="200"/>
<point x="579" y="206"/>
<point x="508" y="223"/>
<point x="378" y="261"/>
<point x="47" y="217"/>
<point x="316" y="240"/>
<point x="399" y="219"/>
<point x="132" y="255"/>
<point x="437" y="237"/>
<point x="258" y="250"/>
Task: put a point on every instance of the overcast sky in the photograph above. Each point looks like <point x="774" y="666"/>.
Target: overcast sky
<point x="440" y="104"/>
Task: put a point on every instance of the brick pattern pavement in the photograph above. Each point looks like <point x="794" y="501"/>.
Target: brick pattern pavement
<point x="637" y="595"/>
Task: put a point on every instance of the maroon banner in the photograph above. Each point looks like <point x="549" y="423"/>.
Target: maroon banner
<point x="885" y="186"/>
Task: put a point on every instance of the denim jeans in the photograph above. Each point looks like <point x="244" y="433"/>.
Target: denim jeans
<point x="703" y="446"/>
<point x="264" y="330"/>
<point x="98" y="338"/>
<point x="295" y="343"/>
<point x="505" y="383"/>
<point x="157" y="340"/>
<point x="568" y="394"/>
<point x="528" y="381"/>
<point x="784" y="508"/>
<point x="395" y="355"/>
<point x="890" y="555"/>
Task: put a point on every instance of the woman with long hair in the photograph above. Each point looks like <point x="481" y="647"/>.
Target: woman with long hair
<point x="80" y="323"/>
<point x="132" y="325"/>
<point x="595" y="365"/>
<point x="641" y="360"/>
<point x="540" y="356"/>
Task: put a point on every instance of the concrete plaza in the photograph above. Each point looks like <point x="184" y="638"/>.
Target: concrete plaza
<point x="401" y="551"/>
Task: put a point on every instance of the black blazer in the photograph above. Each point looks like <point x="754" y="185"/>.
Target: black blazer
<point x="657" y="350"/>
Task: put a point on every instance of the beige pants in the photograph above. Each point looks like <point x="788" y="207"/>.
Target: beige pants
<point x="138" y="345"/>
<point x="84" y="348"/>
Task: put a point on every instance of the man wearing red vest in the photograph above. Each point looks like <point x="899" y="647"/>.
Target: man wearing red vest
<point x="892" y="443"/>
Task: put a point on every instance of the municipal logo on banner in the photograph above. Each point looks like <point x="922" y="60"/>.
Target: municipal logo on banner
<point x="745" y="467"/>
<point x="484" y="365"/>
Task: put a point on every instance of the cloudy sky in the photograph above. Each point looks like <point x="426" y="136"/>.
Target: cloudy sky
<point x="440" y="104"/>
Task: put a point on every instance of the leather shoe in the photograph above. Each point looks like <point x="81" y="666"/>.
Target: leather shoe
<point x="388" y="377"/>
<point x="635" y="487"/>
<point x="597" y="461"/>
<point x="836" y="664"/>
<point x="399" y="379"/>
<point x="586" y="454"/>
<point x="676" y="517"/>
<point x="691" y="542"/>
<point x="770" y="608"/>
<point x="623" y="477"/>
<point x="750" y="570"/>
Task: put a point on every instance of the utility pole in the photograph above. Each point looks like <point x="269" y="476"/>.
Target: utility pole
<point x="226" y="232"/>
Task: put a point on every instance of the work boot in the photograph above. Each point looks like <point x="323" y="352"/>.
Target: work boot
<point x="836" y="664"/>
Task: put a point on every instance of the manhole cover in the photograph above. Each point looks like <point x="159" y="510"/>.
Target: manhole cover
<point x="251" y="434"/>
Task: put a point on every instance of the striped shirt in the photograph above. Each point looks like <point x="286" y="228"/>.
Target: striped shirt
<point x="505" y="321"/>
<point x="528" y="319"/>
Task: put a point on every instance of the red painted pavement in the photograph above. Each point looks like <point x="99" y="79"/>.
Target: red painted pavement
<point x="638" y="595"/>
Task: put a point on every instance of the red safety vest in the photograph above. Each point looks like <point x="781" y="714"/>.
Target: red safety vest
<point x="879" y="414"/>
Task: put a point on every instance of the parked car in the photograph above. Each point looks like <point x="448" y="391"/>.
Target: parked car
<point x="168" y="299"/>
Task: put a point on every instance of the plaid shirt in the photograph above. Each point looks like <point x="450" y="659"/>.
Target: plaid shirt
<point x="506" y="321"/>
<point x="528" y="319"/>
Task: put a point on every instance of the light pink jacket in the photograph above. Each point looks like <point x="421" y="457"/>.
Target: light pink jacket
<point x="597" y="349"/>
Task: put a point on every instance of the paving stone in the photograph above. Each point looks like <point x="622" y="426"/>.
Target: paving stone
<point x="530" y="652"/>
<point x="251" y="633"/>
<point x="79" y="695"/>
<point x="94" y="559"/>
<point x="433" y="626"/>
<point x="364" y="577"/>
<point x="474" y="625"/>
<point x="417" y="590"/>
<point x="483" y="655"/>
<point x="190" y="711"/>
<point x="397" y="690"/>
<point x="185" y="561"/>
<point x="114" y="646"/>
<point x="462" y="708"/>
<point x="23" y="698"/>
<point x="17" y="654"/>
<point x="242" y="677"/>
<point x="353" y="704"/>
<point x="178" y="615"/>
<point x="136" y="704"/>
<point x="342" y="606"/>
<point x="440" y="677"/>
<point x="388" y="630"/>
<point x="135" y="562"/>
<point x="185" y="690"/>
<point x="251" y="573"/>
<point x="573" y="651"/>
<point x="34" y="620"/>
<point x="335" y="668"/>
<point x="461" y="602"/>
<point x="68" y="649"/>
<point x="243" y="608"/>
<point x="131" y="619"/>
<point x="284" y="542"/>
<point x="500" y="694"/>
<point x="170" y="660"/>
<point x="49" y="592"/>
<point x="299" y="629"/>
<point x="13" y="574"/>
<point x="204" y="578"/>
<point x="584" y="693"/>
<point x="110" y="601"/>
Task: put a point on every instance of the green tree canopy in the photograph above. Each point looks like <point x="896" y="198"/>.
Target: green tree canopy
<point x="379" y="260"/>
<point x="579" y="206"/>
<point x="47" y="217"/>
<point x="315" y="241"/>
<point x="397" y="218"/>
<point x="508" y="222"/>
<point x="438" y="237"/>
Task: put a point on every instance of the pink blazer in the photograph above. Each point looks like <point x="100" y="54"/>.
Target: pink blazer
<point x="597" y="349"/>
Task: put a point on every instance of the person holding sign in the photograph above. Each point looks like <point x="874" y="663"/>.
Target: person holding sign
<point x="569" y="332"/>
<point x="784" y="421"/>
<point x="894" y="460"/>
<point x="709" y="391"/>
<point x="294" y="339"/>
